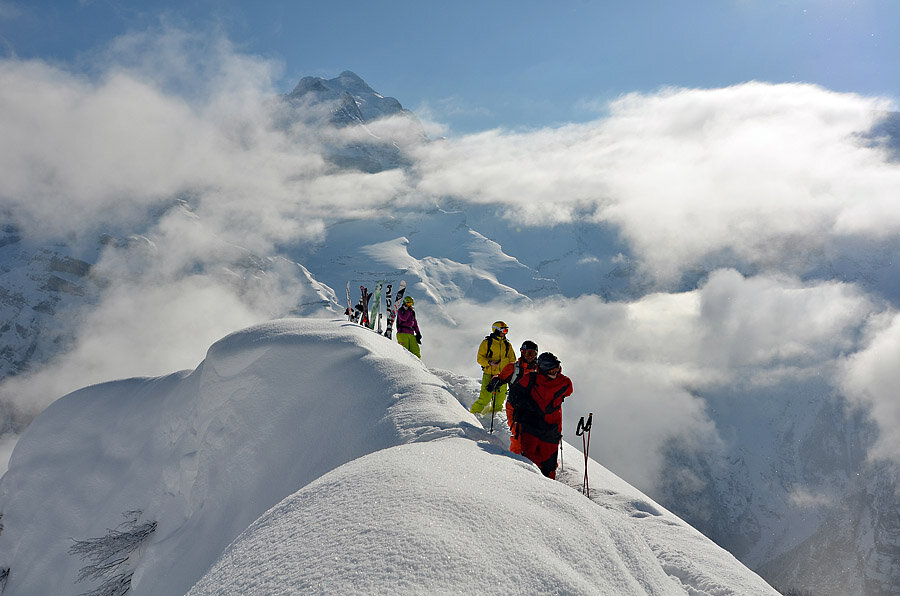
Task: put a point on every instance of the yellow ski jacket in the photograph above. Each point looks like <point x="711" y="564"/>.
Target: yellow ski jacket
<point x="497" y="349"/>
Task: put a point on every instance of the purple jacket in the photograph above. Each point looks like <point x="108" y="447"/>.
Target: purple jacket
<point x="406" y="321"/>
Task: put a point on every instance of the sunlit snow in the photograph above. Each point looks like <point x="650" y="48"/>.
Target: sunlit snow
<point x="317" y="457"/>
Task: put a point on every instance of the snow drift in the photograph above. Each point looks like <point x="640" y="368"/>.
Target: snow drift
<point x="318" y="457"/>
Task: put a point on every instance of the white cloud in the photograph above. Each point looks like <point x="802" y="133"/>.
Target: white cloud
<point x="431" y="121"/>
<point x="169" y="114"/>
<point x="765" y="175"/>
<point x="755" y="171"/>
<point x="775" y="325"/>
<point x="805" y="499"/>
<point x="7" y="444"/>
<point x="641" y="367"/>
<point x="167" y="297"/>
<point x="871" y="378"/>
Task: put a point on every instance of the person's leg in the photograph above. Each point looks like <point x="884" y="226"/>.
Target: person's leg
<point x="515" y="445"/>
<point x="484" y="398"/>
<point x="499" y="398"/>
<point x="408" y="341"/>
<point x="529" y="446"/>
<point x="548" y="465"/>
<point x="543" y="454"/>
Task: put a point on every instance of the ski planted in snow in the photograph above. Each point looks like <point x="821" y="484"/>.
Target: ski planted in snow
<point x="358" y="312"/>
<point x="349" y="305"/>
<point x="375" y="305"/>
<point x="392" y="309"/>
<point x="387" y="305"/>
<point x="364" y="306"/>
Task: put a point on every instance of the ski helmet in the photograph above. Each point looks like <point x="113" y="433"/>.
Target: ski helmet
<point x="528" y="345"/>
<point x="409" y="300"/>
<point x="547" y="362"/>
<point x="500" y="327"/>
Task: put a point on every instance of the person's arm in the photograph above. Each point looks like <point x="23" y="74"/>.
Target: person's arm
<point x="481" y="357"/>
<point x="509" y="355"/>
<point x="507" y="372"/>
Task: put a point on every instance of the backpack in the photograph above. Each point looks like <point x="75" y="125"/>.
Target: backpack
<point x="528" y="414"/>
<point x="520" y="397"/>
<point x="490" y="339"/>
<point x="517" y="373"/>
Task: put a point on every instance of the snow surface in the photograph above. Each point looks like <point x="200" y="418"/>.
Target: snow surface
<point x="314" y="456"/>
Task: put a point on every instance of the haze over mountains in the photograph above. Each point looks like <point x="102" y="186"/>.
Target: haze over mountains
<point x="716" y="269"/>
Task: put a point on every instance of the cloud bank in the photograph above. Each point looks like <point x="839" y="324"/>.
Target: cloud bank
<point x="642" y="367"/>
<point x="756" y="171"/>
<point x="871" y="378"/>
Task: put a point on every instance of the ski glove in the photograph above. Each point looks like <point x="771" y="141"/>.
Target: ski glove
<point x="419" y="337"/>
<point x="494" y="384"/>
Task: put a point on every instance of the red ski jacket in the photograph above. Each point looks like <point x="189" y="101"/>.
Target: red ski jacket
<point x="542" y="397"/>
<point x="506" y="375"/>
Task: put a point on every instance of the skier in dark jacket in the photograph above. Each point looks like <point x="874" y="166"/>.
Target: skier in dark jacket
<point x="537" y="398"/>
<point x="408" y="334"/>
<point x="509" y="375"/>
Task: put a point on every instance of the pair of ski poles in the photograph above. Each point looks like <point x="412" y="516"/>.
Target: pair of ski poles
<point x="584" y="431"/>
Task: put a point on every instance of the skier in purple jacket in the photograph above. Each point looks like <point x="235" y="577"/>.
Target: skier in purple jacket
<point x="408" y="334"/>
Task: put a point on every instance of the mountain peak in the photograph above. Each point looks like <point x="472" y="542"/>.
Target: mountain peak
<point x="372" y="105"/>
<point x="350" y="78"/>
<point x="347" y="100"/>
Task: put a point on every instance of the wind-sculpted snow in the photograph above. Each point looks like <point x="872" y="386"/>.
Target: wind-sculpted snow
<point x="341" y="465"/>
<point x="269" y="410"/>
<point x="470" y="518"/>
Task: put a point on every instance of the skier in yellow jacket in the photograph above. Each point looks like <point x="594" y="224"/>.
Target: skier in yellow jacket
<point x="494" y="353"/>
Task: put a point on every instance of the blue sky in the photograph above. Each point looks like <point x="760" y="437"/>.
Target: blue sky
<point x="513" y="64"/>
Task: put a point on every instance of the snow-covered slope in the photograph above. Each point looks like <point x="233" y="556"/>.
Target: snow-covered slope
<point x="336" y="463"/>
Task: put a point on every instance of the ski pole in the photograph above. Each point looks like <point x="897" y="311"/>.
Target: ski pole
<point x="584" y="430"/>
<point x="561" y="466"/>
<point x="493" y="407"/>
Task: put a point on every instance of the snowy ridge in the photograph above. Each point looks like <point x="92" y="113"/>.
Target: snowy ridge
<point x="336" y="463"/>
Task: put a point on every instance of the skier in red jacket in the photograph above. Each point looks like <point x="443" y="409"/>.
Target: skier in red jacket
<point x="537" y="401"/>
<point x="513" y="371"/>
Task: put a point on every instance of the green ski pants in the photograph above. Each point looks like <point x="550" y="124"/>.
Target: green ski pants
<point x="483" y="403"/>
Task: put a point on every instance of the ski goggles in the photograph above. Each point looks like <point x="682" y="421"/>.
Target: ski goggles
<point x="553" y="371"/>
<point x="529" y="353"/>
<point x="503" y="330"/>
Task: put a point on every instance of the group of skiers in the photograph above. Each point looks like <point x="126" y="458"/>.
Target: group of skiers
<point x="534" y="384"/>
<point x="536" y="389"/>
